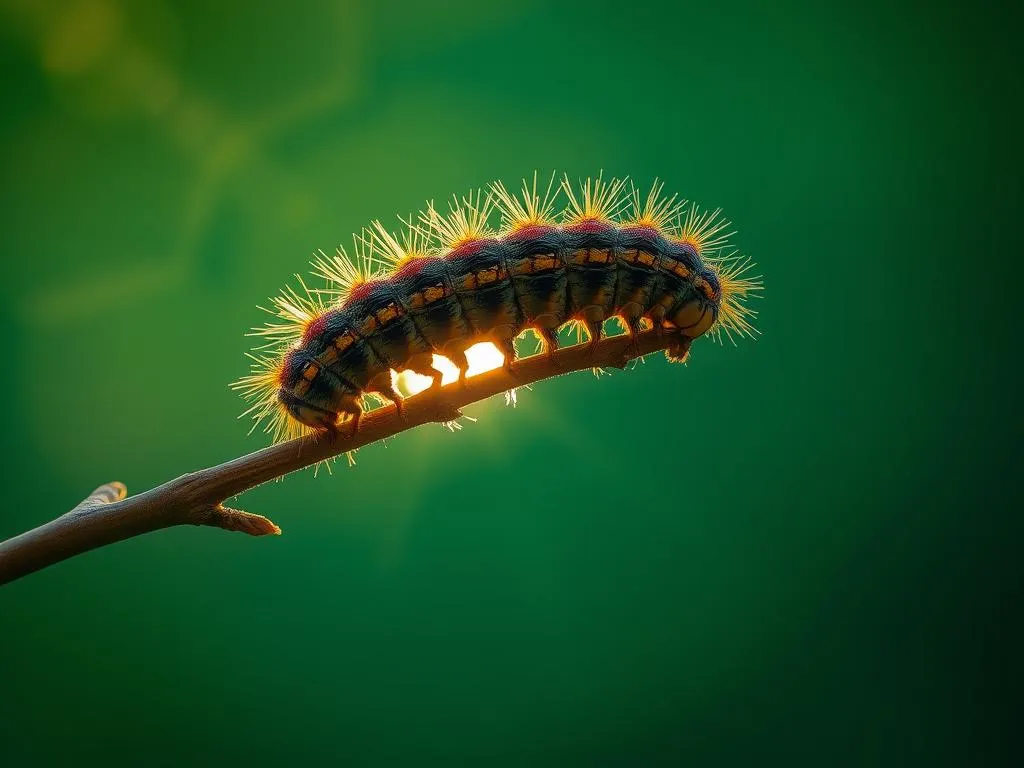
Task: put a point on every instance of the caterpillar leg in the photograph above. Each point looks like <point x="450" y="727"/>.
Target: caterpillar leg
<point x="508" y="349"/>
<point x="423" y="364"/>
<point x="504" y="340"/>
<point x="679" y="351"/>
<point x="356" y="417"/>
<point x="633" y="349"/>
<point x="547" y="326"/>
<point x="657" y="318"/>
<point x="356" y="412"/>
<point x="550" y="339"/>
<point x="383" y="385"/>
<point x="460" y="361"/>
<point x="331" y="429"/>
<point x="632" y="314"/>
<point x="594" y="318"/>
<point x="350" y="405"/>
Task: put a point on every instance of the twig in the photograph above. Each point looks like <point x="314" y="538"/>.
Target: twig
<point x="198" y="497"/>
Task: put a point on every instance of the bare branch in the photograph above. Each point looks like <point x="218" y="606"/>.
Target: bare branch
<point x="197" y="498"/>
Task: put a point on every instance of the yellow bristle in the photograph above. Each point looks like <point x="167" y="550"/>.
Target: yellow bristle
<point x="293" y="310"/>
<point x="371" y="401"/>
<point x="259" y="389"/>
<point x="530" y="209"/>
<point x="581" y="331"/>
<point x="704" y="230"/>
<point x="387" y="248"/>
<point x="596" y="200"/>
<point x="466" y="221"/>
<point x="343" y="272"/>
<point x="735" y="318"/>
<point x="576" y="328"/>
<point x="657" y="211"/>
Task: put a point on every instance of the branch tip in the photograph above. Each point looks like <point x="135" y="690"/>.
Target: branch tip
<point x="231" y="519"/>
<point x="107" y="493"/>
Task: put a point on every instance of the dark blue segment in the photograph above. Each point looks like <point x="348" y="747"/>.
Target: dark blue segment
<point x="441" y="320"/>
<point x="486" y="303"/>
<point x="540" y="290"/>
<point x="713" y="281"/>
<point x="670" y="289"/>
<point x="358" y="362"/>
<point x="322" y="388"/>
<point x="393" y="335"/>
<point x="637" y="279"/>
<point x="592" y="284"/>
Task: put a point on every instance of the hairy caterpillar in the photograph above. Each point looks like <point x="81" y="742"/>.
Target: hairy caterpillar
<point x="450" y="281"/>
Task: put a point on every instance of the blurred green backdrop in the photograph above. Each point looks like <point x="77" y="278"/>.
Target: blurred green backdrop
<point x="801" y="550"/>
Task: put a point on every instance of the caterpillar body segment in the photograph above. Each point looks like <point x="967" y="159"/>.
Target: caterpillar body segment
<point x="485" y="290"/>
<point x="454" y="282"/>
<point x="540" y="279"/>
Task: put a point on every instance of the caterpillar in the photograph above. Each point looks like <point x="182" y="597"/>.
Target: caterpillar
<point x="447" y="281"/>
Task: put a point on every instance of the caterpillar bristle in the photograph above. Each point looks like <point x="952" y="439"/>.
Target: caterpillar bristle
<point x="657" y="211"/>
<point x="529" y="208"/>
<point x="259" y="389"/>
<point x="372" y="400"/>
<point x="396" y="250"/>
<point x="596" y="199"/>
<point x="581" y="331"/>
<point x="735" y="318"/>
<point x="576" y="329"/>
<point x="467" y="219"/>
<point x="294" y="311"/>
<point x="343" y="273"/>
<point x="704" y="230"/>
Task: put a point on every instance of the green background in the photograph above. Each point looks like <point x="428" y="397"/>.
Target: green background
<point x="798" y="551"/>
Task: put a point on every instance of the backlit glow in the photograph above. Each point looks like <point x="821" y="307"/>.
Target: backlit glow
<point x="482" y="357"/>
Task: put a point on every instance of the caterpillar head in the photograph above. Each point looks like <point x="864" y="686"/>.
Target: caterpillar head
<point x="703" y="310"/>
<point x="697" y="312"/>
<point x="305" y="394"/>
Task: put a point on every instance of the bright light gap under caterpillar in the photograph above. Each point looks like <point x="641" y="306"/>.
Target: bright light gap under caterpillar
<point x="450" y="293"/>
